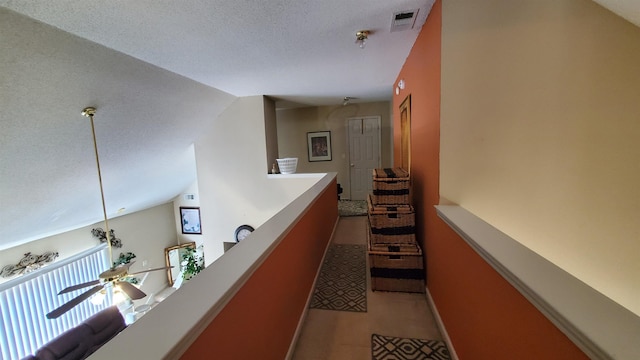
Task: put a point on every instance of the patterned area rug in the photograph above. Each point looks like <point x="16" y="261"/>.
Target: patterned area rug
<point x="393" y="348"/>
<point x="352" y="207"/>
<point x="342" y="284"/>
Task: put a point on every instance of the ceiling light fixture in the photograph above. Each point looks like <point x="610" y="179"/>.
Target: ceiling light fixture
<point x="347" y="100"/>
<point x="361" y="38"/>
<point x="90" y="112"/>
<point x="116" y="276"/>
<point x="99" y="297"/>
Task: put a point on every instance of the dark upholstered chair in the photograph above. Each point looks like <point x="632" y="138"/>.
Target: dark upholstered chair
<point x="84" y="339"/>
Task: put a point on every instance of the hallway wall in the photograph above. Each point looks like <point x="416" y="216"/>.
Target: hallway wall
<point x="293" y="125"/>
<point x="539" y="132"/>
<point x="485" y="317"/>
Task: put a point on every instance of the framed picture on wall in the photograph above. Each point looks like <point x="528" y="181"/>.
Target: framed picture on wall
<point x="319" y="144"/>
<point x="190" y="220"/>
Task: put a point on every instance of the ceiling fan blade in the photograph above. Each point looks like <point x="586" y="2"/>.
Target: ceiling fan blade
<point x="73" y="302"/>
<point x="79" y="286"/>
<point x="132" y="291"/>
<point x="156" y="269"/>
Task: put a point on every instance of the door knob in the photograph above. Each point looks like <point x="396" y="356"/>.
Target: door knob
<point x="351" y="165"/>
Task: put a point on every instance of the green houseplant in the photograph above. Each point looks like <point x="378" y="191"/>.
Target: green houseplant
<point x="125" y="259"/>
<point x="192" y="262"/>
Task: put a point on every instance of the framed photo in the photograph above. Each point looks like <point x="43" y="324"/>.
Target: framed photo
<point x="319" y="143"/>
<point x="190" y="220"/>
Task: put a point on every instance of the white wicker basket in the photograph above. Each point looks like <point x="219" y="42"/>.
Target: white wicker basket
<point x="287" y="165"/>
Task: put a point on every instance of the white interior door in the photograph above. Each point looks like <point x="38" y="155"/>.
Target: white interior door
<point x="364" y="154"/>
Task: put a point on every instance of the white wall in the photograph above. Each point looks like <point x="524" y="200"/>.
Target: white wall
<point x="540" y="130"/>
<point x="180" y="200"/>
<point x="145" y="233"/>
<point x="48" y="182"/>
<point x="232" y="168"/>
<point x="271" y="131"/>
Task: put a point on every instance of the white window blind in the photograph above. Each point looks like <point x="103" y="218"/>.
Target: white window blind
<point x="25" y="301"/>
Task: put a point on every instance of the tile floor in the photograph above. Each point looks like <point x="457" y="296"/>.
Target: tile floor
<point x="338" y="335"/>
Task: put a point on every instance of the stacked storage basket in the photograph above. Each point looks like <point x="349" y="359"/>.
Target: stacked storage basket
<point x="395" y="259"/>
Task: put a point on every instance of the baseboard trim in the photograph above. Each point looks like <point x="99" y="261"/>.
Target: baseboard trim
<point x="303" y="316"/>
<point x="443" y="329"/>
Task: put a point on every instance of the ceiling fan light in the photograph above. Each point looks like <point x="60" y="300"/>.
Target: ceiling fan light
<point x="98" y="298"/>
<point x="361" y="38"/>
<point x="118" y="295"/>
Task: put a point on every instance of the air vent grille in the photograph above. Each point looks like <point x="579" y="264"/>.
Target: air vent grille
<point x="404" y="20"/>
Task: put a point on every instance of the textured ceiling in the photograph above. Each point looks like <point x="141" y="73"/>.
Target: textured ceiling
<point x="159" y="72"/>
<point x="299" y="50"/>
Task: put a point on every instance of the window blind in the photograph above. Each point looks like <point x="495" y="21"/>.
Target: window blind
<point x="25" y="301"/>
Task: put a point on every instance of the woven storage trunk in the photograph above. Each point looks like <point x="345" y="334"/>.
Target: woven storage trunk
<point x="379" y="208"/>
<point x="397" y="271"/>
<point x="383" y="247"/>
<point x="390" y="186"/>
<point x="391" y="224"/>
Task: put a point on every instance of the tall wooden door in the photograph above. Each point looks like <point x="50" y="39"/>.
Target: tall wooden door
<point x="364" y="154"/>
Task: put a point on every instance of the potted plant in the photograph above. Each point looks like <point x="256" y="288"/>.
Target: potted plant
<point x="125" y="259"/>
<point x="192" y="262"/>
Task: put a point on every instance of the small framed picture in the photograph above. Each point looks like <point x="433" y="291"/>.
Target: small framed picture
<point x="319" y="143"/>
<point x="190" y="219"/>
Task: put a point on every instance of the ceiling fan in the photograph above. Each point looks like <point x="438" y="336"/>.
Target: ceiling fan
<point x="115" y="276"/>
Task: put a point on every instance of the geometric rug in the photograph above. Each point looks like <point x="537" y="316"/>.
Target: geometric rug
<point x="342" y="283"/>
<point x="393" y="348"/>
<point x="352" y="207"/>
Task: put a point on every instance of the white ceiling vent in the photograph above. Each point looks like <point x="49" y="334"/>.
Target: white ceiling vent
<point x="404" y="20"/>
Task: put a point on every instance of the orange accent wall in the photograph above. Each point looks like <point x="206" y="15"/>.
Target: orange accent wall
<point x="485" y="317"/>
<point x="260" y="320"/>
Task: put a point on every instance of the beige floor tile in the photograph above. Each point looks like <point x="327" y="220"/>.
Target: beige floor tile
<point x="347" y="352"/>
<point x="353" y="329"/>
<point x="338" y="335"/>
<point x="351" y="230"/>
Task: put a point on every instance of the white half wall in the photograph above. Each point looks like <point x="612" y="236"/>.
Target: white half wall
<point x="234" y="186"/>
